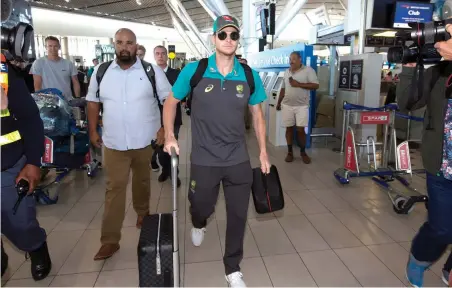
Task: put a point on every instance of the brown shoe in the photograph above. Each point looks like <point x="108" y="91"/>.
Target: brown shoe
<point x="305" y="157"/>
<point x="139" y="221"/>
<point x="106" y="251"/>
<point x="289" y="157"/>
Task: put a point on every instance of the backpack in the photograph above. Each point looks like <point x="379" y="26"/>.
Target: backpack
<point x="199" y="73"/>
<point x="149" y="73"/>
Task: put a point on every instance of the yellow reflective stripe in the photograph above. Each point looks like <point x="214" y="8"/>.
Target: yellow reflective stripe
<point x="5" y="113"/>
<point x="10" y="138"/>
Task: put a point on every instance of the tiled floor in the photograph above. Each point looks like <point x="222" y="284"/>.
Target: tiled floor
<point x="327" y="235"/>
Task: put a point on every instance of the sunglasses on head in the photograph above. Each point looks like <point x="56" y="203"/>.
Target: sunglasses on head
<point x="233" y="35"/>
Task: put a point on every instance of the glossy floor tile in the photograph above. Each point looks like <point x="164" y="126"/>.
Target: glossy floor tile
<point x="327" y="235"/>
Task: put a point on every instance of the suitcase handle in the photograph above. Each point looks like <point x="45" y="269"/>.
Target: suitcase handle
<point x="174" y="158"/>
<point x="174" y="164"/>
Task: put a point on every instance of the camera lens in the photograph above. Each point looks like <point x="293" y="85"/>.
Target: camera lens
<point x="430" y="33"/>
<point x="395" y="54"/>
<point x="17" y="40"/>
<point x="403" y="54"/>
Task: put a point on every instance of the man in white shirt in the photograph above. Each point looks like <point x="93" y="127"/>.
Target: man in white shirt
<point x="294" y="100"/>
<point x="131" y="120"/>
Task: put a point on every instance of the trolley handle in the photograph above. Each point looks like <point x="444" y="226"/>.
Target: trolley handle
<point x="349" y="106"/>
<point x="409" y="117"/>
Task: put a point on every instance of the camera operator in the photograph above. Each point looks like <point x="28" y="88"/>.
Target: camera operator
<point x="436" y="234"/>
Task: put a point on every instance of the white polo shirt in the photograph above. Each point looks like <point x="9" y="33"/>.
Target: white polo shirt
<point x="131" y="117"/>
<point x="296" y="96"/>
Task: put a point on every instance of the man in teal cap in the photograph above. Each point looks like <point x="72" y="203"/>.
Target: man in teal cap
<point x="219" y="153"/>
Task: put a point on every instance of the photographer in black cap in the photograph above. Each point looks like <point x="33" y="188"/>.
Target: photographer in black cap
<point x="435" y="235"/>
<point x="22" y="145"/>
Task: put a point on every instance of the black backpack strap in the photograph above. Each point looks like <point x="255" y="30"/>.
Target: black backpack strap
<point x="150" y="73"/>
<point x="196" y="78"/>
<point x="151" y="76"/>
<point x="249" y="77"/>
<point x="100" y="74"/>
<point x="199" y="73"/>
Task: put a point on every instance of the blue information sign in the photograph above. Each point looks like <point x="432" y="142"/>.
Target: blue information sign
<point x="412" y="12"/>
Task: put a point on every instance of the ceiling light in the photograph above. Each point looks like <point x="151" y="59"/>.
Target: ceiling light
<point x="153" y="23"/>
<point x="67" y="1"/>
<point x="139" y="2"/>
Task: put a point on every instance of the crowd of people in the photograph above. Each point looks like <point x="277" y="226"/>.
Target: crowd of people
<point x="223" y="108"/>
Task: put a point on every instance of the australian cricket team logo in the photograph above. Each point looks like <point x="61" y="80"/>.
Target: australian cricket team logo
<point x="192" y="186"/>
<point x="239" y="89"/>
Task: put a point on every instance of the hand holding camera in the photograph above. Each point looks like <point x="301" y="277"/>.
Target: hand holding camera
<point x="445" y="48"/>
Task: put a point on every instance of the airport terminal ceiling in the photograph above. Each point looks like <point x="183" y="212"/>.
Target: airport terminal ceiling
<point x="154" y="12"/>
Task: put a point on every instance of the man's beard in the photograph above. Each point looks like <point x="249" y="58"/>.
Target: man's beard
<point x="125" y="57"/>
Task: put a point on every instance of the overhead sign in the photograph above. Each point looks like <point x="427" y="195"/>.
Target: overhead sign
<point x="104" y="49"/>
<point x="319" y="15"/>
<point x="171" y="51"/>
<point x="277" y="58"/>
<point x="412" y="12"/>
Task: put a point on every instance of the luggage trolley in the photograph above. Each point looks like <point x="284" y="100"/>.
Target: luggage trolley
<point x="402" y="203"/>
<point x="368" y="116"/>
<point x="67" y="145"/>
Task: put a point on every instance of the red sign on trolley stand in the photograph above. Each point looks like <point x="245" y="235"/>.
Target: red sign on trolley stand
<point x="403" y="157"/>
<point x="376" y="118"/>
<point x="48" y="152"/>
<point x="350" y="153"/>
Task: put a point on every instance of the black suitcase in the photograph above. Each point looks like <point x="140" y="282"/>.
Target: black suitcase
<point x="267" y="191"/>
<point x="158" y="247"/>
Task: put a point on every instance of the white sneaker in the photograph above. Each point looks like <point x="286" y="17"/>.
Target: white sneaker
<point x="197" y="236"/>
<point x="235" y="280"/>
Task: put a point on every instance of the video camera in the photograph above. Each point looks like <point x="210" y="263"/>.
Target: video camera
<point x="16" y="36"/>
<point x="424" y="36"/>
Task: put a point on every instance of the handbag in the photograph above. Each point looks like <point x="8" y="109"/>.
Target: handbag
<point x="267" y="191"/>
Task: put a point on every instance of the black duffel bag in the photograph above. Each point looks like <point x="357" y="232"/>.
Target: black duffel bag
<point x="267" y="191"/>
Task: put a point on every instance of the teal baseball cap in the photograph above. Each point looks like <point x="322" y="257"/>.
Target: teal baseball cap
<point x="225" y="21"/>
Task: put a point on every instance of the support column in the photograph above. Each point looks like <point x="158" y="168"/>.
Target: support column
<point x="43" y="46"/>
<point x="362" y="28"/>
<point x="64" y="48"/>
<point x="250" y="43"/>
<point x="111" y="41"/>
<point x="246" y="27"/>
<point x="332" y="62"/>
<point x="180" y="11"/>
<point x="290" y="10"/>
<point x="183" y="34"/>
<point x="214" y="8"/>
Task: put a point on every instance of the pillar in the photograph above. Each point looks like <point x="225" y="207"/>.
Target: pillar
<point x="64" y="48"/>
<point x="362" y="28"/>
<point x="332" y="62"/>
